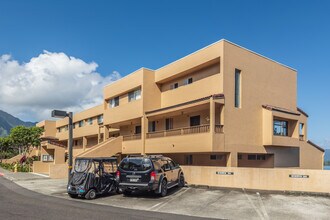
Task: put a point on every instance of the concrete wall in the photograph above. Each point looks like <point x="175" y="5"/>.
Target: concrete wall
<point x="41" y="167"/>
<point x="285" y="156"/>
<point x="58" y="171"/>
<point x="259" y="178"/>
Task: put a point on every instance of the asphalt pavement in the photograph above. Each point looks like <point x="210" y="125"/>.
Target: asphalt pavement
<point x="19" y="203"/>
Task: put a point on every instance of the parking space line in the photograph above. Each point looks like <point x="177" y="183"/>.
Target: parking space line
<point x="262" y="206"/>
<point x="162" y="204"/>
<point x="252" y="204"/>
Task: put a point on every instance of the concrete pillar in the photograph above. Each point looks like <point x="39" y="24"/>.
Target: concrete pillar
<point x="144" y="130"/>
<point x="106" y="133"/>
<point x="232" y="159"/>
<point x="212" y="115"/>
<point x="84" y="143"/>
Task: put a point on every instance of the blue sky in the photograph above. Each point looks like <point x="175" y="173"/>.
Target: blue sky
<point x="123" y="36"/>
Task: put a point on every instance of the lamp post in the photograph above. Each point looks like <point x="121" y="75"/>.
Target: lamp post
<point x="63" y="114"/>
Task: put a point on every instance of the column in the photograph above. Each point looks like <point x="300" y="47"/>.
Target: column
<point x="232" y="160"/>
<point x="84" y="143"/>
<point x="106" y="133"/>
<point x="212" y="116"/>
<point x="144" y="130"/>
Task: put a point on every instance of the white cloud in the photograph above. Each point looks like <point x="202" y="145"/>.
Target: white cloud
<point x="49" y="81"/>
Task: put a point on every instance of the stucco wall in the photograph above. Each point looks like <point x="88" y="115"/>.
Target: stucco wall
<point x="259" y="178"/>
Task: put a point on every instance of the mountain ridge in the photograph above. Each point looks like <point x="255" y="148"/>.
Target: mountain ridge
<point x="8" y="121"/>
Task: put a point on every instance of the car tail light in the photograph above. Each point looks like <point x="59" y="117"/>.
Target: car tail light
<point x="152" y="176"/>
<point x="117" y="175"/>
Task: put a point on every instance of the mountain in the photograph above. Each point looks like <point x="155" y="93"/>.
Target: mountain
<point x="7" y="121"/>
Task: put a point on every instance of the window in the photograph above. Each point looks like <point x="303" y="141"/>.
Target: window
<point x="134" y="95"/>
<point x="114" y="102"/>
<point x="81" y="123"/>
<point x="168" y="123"/>
<point x="76" y="143"/>
<point x="216" y="157"/>
<point x="74" y="125"/>
<point x="195" y="120"/>
<point x="188" y="81"/>
<point x="47" y="157"/>
<point x="280" y="128"/>
<point x="239" y="156"/>
<point x="301" y="129"/>
<point x="138" y="129"/>
<point x="90" y="121"/>
<point x="175" y="86"/>
<point x="172" y="164"/>
<point x="188" y="159"/>
<point x="237" y="88"/>
<point x="152" y="126"/>
<point x="261" y="157"/>
<point x="256" y="157"/>
<point x="100" y="119"/>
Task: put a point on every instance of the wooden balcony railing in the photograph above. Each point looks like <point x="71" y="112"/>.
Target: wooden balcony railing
<point x="180" y="131"/>
<point x="131" y="137"/>
<point x="218" y="129"/>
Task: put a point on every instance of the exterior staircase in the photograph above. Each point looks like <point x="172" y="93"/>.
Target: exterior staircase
<point x="107" y="148"/>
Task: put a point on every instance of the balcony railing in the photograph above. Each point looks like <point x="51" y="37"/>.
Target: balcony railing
<point x="131" y="137"/>
<point x="180" y="131"/>
<point x="218" y="129"/>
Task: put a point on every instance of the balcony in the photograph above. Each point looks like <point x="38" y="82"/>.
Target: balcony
<point x="180" y="131"/>
<point x="131" y="137"/>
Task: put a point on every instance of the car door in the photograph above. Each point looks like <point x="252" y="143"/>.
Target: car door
<point x="167" y="172"/>
<point x="174" y="171"/>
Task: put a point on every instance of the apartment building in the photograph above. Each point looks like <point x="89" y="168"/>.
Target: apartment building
<point x="222" y="105"/>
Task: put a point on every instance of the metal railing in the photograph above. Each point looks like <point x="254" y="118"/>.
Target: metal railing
<point x="180" y="131"/>
<point x="218" y="129"/>
<point x="131" y="137"/>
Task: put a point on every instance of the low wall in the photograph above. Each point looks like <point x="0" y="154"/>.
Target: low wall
<point x="58" y="171"/>
<point x="40" y="167"/>
<point x="317" y="181"/>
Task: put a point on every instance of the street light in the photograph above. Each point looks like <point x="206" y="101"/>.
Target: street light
<point x="63" y="114"/>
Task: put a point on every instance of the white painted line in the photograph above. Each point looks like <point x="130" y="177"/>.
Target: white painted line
<point x="39" y="174"/>
<point x="162" y="204"/>
<point x="262" y="206"/>
<point x="252" y="204"/>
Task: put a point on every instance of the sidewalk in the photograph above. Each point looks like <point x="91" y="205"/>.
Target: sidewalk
<point x="36" y="182"/>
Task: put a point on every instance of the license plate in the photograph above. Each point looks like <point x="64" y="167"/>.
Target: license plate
<point x="134" y="180"/>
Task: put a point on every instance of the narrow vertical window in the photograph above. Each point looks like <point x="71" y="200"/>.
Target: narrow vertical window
<point x="169" y="123"/>
<point x="237" y="88"/>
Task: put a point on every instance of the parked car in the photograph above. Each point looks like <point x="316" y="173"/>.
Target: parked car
<point x="154" y="173"/>
<point x="93" y="176"/>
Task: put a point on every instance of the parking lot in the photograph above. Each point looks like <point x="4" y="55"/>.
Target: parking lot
<point x="210" y="203"/>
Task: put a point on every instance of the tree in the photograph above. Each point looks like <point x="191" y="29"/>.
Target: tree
<point x="22" y="138"/>
<point x="6" y="149"/>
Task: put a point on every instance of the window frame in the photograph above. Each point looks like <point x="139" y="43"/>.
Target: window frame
<point x="114" y="102"/>
<point x="134" y="95"/>
<point x="283" y="125"/>
<point x="238" y="88"/>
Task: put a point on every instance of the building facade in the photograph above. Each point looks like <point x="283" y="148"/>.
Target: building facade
<point x="222" y="105"/>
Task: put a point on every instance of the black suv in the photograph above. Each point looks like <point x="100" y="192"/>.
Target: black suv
<point x="149" y="173"/>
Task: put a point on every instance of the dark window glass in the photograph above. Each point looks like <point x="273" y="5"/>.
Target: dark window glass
<point x="261" y="157"/>
<point x="195" y="120"/>
<point x="280" y="128"/>
<point x="135" y="164"/>
<point x="138" y="129"/>
<point x="240" y="156"/>
<point x="190" y="80"/>
<point x="176" y="85"/>
<point x="237" y="88"/>
<point x="252" y="157"/>
<point x="169" y="123"/>
<point x="172" y="164"/>
<point x="152" y="126"/>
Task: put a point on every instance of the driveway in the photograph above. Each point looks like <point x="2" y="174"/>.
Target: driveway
<point x="202" y="202"/>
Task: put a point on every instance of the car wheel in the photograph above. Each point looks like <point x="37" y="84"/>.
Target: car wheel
<point x="73" y="196"/>
<point x="91" y="194"/>
<point x="119" y="190"/>
<point x="181" y="180"/>
<point x="163" y="189"/>
<point x="127" y="193"/>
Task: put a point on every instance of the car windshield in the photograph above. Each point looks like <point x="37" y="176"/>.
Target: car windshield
<point x="81" y="165"/>
<point x="135" y="164"/>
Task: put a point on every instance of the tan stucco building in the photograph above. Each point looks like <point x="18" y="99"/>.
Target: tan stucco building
<point x="222" y="105"/>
